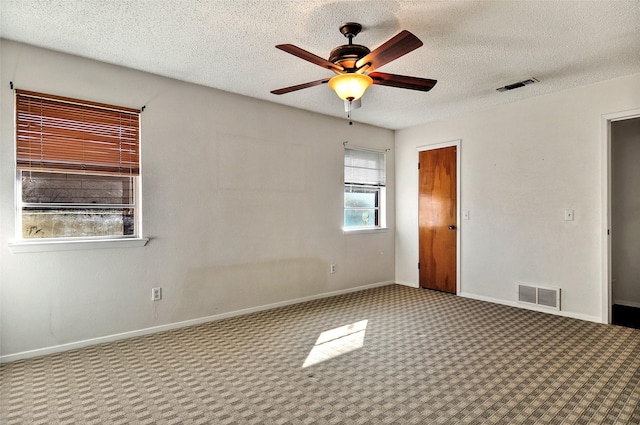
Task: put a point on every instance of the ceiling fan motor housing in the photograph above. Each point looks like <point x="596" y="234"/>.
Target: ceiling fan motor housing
<point x="347" y="55"/>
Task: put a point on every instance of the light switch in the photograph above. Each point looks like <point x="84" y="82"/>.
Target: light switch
<point x="568" y="215"/>
<point x="465" y="215"/>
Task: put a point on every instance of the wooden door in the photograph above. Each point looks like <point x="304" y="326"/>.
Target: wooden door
<point x="437" y="219"/>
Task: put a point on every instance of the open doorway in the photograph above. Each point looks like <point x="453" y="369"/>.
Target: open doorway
<point x="621" y="294"/>
<point x="625" y="222"/>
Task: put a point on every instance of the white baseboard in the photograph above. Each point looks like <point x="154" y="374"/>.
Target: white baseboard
<point x="627" y="303"/>
<point x="155" y="329"/>
<point x="586" y="317"/>
<point x="410" y="284"/>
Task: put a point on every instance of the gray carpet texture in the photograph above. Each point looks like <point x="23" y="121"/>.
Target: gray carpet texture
<point x="388" y="355"/>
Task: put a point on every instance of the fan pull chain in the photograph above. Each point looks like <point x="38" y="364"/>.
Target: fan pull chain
<point x="349" y="112"/>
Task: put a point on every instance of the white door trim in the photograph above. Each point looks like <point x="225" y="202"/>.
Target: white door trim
<point x="457" y="144"/>
<point x="606" y="120"/>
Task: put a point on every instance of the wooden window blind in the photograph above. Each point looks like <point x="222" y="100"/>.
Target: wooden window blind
<point x="74" y="136"/>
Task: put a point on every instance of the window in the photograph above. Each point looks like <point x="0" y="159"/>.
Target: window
<point x="364" y="189"/>
<point x="77" y="169"/>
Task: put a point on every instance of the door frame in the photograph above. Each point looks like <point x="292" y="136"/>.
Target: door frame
<point x="606" y="294"/>
<point x="457" y="144"/>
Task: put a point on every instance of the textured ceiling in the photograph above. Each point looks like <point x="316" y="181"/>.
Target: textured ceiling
<point x="470" y="47"/>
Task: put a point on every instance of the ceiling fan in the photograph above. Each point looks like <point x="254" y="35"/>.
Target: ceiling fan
<point x="354" y="65"/>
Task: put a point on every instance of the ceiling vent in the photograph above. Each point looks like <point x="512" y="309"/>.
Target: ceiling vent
<point x="518" y="84"/>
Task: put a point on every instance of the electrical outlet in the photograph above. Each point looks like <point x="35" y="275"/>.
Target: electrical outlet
<point x="156" y="294"/>
<point x="333" y="268"/>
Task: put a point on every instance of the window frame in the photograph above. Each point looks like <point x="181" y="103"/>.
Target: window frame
<point x="349" y="188"/>
<point x="20" y="205"/>
<point x="379" y="189"/>
<point x="22" y="244"/>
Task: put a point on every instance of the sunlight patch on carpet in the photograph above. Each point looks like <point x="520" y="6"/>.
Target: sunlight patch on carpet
<point x="335" y="342"/>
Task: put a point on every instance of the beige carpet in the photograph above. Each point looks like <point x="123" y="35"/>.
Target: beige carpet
<point x="391" y="355"/>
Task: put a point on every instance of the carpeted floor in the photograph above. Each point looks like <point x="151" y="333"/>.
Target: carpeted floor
<point x="390" y="355"/>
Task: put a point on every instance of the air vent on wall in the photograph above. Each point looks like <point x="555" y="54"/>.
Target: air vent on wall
<point x="518" y="84"/>
<point x="539" y="295"/>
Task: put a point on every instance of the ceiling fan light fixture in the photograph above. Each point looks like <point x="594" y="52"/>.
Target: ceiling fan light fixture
<point x="350" y="86"/>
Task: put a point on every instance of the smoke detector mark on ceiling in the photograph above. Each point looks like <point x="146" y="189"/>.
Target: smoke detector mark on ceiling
<point x="518" y="84"/>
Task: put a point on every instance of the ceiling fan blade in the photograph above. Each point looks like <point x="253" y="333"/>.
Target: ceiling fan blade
<point x="399" y="45"/>
<point x="310" y="57"/>
<point x="402" y="81"/>
<point x="300" y="86"/>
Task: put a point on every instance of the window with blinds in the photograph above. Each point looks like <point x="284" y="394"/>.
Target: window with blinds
<point x="78" y="167"/>
<point x="364" y="188"/>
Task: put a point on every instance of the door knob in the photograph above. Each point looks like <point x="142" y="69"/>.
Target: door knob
<point x="452" y="227"/>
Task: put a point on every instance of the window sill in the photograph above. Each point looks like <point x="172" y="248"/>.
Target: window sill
<point x="49" y="246"/>
<point x="347" y="231"/>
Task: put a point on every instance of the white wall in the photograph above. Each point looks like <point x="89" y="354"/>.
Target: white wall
<point x="625" y="212"/>
<point x="523" y="164"/>
<point x="242" y="200"/>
